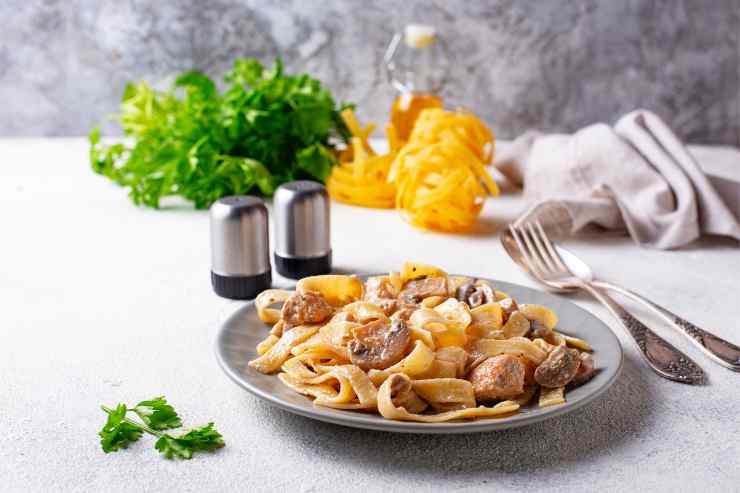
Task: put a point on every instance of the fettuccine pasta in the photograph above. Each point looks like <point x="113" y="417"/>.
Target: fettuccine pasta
<point x="437" y="180"/>
<point x="417" y="345"/>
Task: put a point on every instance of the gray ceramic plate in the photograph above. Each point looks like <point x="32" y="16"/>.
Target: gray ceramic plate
<point x="239" y="335"/>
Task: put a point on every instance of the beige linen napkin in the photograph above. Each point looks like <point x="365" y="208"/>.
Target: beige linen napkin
<point x="636" y="176"/>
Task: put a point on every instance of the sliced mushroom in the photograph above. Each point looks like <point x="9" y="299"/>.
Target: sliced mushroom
<point x="404" y="396"/>
<point x="586" y="371"/>
<point x="416" y="290"/>
<point x="475" y="294"/>
<point x="379" y="344"/>
<point x="559" y="368"/>
<point x="464" y="291"/>
<point x="498" y="377"/>
<point x="305" y="308"/>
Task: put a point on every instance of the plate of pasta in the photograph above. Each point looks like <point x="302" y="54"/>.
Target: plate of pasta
<point x="419" y="350"/>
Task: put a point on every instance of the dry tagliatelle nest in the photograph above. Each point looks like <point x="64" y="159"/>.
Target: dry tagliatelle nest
<point x="437" y="179"/>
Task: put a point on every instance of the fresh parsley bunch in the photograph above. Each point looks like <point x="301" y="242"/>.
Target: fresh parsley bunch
<point x="156" y="414"/>
<point x="266" y="128"/>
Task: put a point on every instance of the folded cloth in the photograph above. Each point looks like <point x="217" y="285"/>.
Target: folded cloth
<point x="636" y="176"/>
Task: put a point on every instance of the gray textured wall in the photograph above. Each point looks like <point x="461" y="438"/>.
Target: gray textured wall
<point x="551" y="64"/>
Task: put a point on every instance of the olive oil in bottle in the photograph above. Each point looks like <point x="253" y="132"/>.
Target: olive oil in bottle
<point x="417" y="66"/>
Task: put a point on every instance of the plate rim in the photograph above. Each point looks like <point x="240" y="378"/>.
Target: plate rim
<point x="355" y="420"/>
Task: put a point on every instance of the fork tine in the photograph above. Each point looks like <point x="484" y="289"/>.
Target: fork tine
<point x="537" y="262"/>
<point x="544" y="253"/>
<point x="528" y="259"/>
<point x="551" y="248"/>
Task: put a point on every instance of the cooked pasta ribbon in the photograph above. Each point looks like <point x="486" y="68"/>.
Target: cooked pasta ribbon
<point x="485" y="319"/>
<point x="455" y="311"/>
<point x="517" y="346"/>
<point x="432" y="321"/>
<point x="321" y="352"/>
<point x="280" y="351"/>
<point x="338" y="333"/>
<point x="423" y="335"/>
<point x="428" y="346"/>
<point x="551" y="397"/>
<point x="266" y="344"/>
<point x="336" y="289"/>
<point x="539" y="313"/>
<point x="445" y="332"/>
<point x="344" y="387"/>
<point x="268" y="298"/>
<point x="576" y="342"/>
<point x="397" y="387"/>
<point x="364" y="311"/>
<point x="457" y="356"/>
<point x="417" y="362"/>
<point x="415" y="270"/>
<point x="447" y="394"/>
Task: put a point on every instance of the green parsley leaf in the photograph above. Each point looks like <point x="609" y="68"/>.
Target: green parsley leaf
<point x="157" y="414"/>
<point x="205" y="438"/>
<point x="118" y="433"/>
<point x="195" y="142"/>
<point x="316" y="160"/>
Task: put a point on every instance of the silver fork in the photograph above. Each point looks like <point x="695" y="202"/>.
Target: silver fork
<point x="545" y="264"/>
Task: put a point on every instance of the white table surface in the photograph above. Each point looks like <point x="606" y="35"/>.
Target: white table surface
<point x="103" y="302"/>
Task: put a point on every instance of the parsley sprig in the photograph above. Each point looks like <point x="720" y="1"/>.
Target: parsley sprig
<point x="265" y="128"/>
<point x="156" y="415"/>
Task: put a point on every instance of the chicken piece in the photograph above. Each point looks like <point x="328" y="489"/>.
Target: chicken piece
<point x="559" y="368"/>
<point x="379" y="291"/>
<point x="529" y="369"/>
<point x="378" y="288"/>
<point x="498" y="377"/>
<point x="416" y="290"/>
<point x="379" y="344"/>
<point x="305" y="308"/>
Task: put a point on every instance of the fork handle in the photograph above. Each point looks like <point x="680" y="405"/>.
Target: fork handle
<point x="723" y="352"/>
<point x="662" y="357"/>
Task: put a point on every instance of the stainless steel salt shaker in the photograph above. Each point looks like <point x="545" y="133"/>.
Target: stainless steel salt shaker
<point x="240" y="247"/>
<point x="302" y="229"/>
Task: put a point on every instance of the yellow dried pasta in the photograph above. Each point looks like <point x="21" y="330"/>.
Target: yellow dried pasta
<point x="437" y="179"/>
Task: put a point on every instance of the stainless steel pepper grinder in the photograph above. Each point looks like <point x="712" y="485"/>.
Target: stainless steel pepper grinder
<point x="302" y="229"/>
<point x="240" y="247"/>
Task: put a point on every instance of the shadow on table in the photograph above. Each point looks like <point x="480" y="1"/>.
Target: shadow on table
<point x="584" y="435"/>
